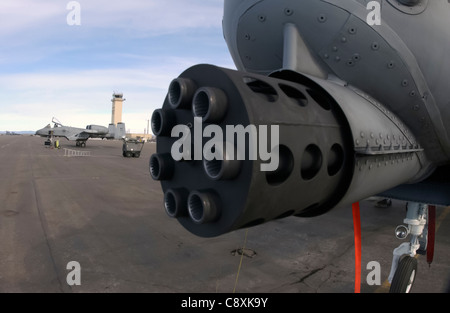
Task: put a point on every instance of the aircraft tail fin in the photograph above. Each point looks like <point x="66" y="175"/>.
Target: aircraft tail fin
<point x="120" y="131"/>
<point x="116" y="131"/>
<point x="111" y="131"/>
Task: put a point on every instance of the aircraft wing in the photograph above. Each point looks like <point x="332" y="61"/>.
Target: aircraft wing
<point x="78" y="136"/>
<point x="434" y="190"/>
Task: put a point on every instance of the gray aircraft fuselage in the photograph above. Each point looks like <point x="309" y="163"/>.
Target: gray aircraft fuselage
<point x="403" y="62"/>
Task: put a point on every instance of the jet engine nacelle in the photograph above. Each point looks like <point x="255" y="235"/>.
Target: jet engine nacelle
<point x="335" y="145"/>
<point x="98" y="128"/>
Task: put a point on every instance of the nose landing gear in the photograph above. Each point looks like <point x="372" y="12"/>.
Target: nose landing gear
<point x="404" y="262"/>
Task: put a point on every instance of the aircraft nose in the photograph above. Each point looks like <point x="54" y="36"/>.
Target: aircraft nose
<point x="42" y="132"/>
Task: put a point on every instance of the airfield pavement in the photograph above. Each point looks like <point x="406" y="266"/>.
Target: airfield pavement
<point x="106" y="213"/>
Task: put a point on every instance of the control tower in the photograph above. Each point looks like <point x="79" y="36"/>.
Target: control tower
<point x="117" y="103"/>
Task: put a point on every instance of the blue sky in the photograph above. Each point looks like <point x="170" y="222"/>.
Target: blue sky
<point x="51" y="69"/>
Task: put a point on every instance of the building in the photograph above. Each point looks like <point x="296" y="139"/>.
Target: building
<point x="116" y="116"/>
<point x="117" y="104"/>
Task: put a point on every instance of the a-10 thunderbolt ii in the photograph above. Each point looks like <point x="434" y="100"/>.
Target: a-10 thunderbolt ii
<point x="81" y="135"/>
<point x="356" y="96"/>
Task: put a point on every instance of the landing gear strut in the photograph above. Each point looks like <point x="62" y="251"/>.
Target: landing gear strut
<point x="404" y="263"/>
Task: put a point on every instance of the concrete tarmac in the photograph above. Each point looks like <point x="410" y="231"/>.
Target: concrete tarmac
<point x="106" y="213"/>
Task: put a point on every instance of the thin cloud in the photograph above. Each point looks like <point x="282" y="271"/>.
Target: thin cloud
<point x="48" y="68"/>
<point x="153" y="16"/>
<point x="139" y="15"/>
<point x="24" y="15"/>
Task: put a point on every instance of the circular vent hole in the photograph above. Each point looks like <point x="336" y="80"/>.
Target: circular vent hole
<point x="311" y="162"/>
<point x="335" y="159"/>
<point x="294" y="94"/>
<point x="285" y="166"/>
<point x="261" y="88"/>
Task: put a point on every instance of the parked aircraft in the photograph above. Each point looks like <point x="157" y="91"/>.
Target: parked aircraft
<point x="81" y="135"/>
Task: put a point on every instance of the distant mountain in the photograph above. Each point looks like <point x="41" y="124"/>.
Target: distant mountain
<point x="22" y="132"/>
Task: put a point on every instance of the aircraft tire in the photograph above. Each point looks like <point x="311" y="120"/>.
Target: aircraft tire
<point x="404" y="275"/>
